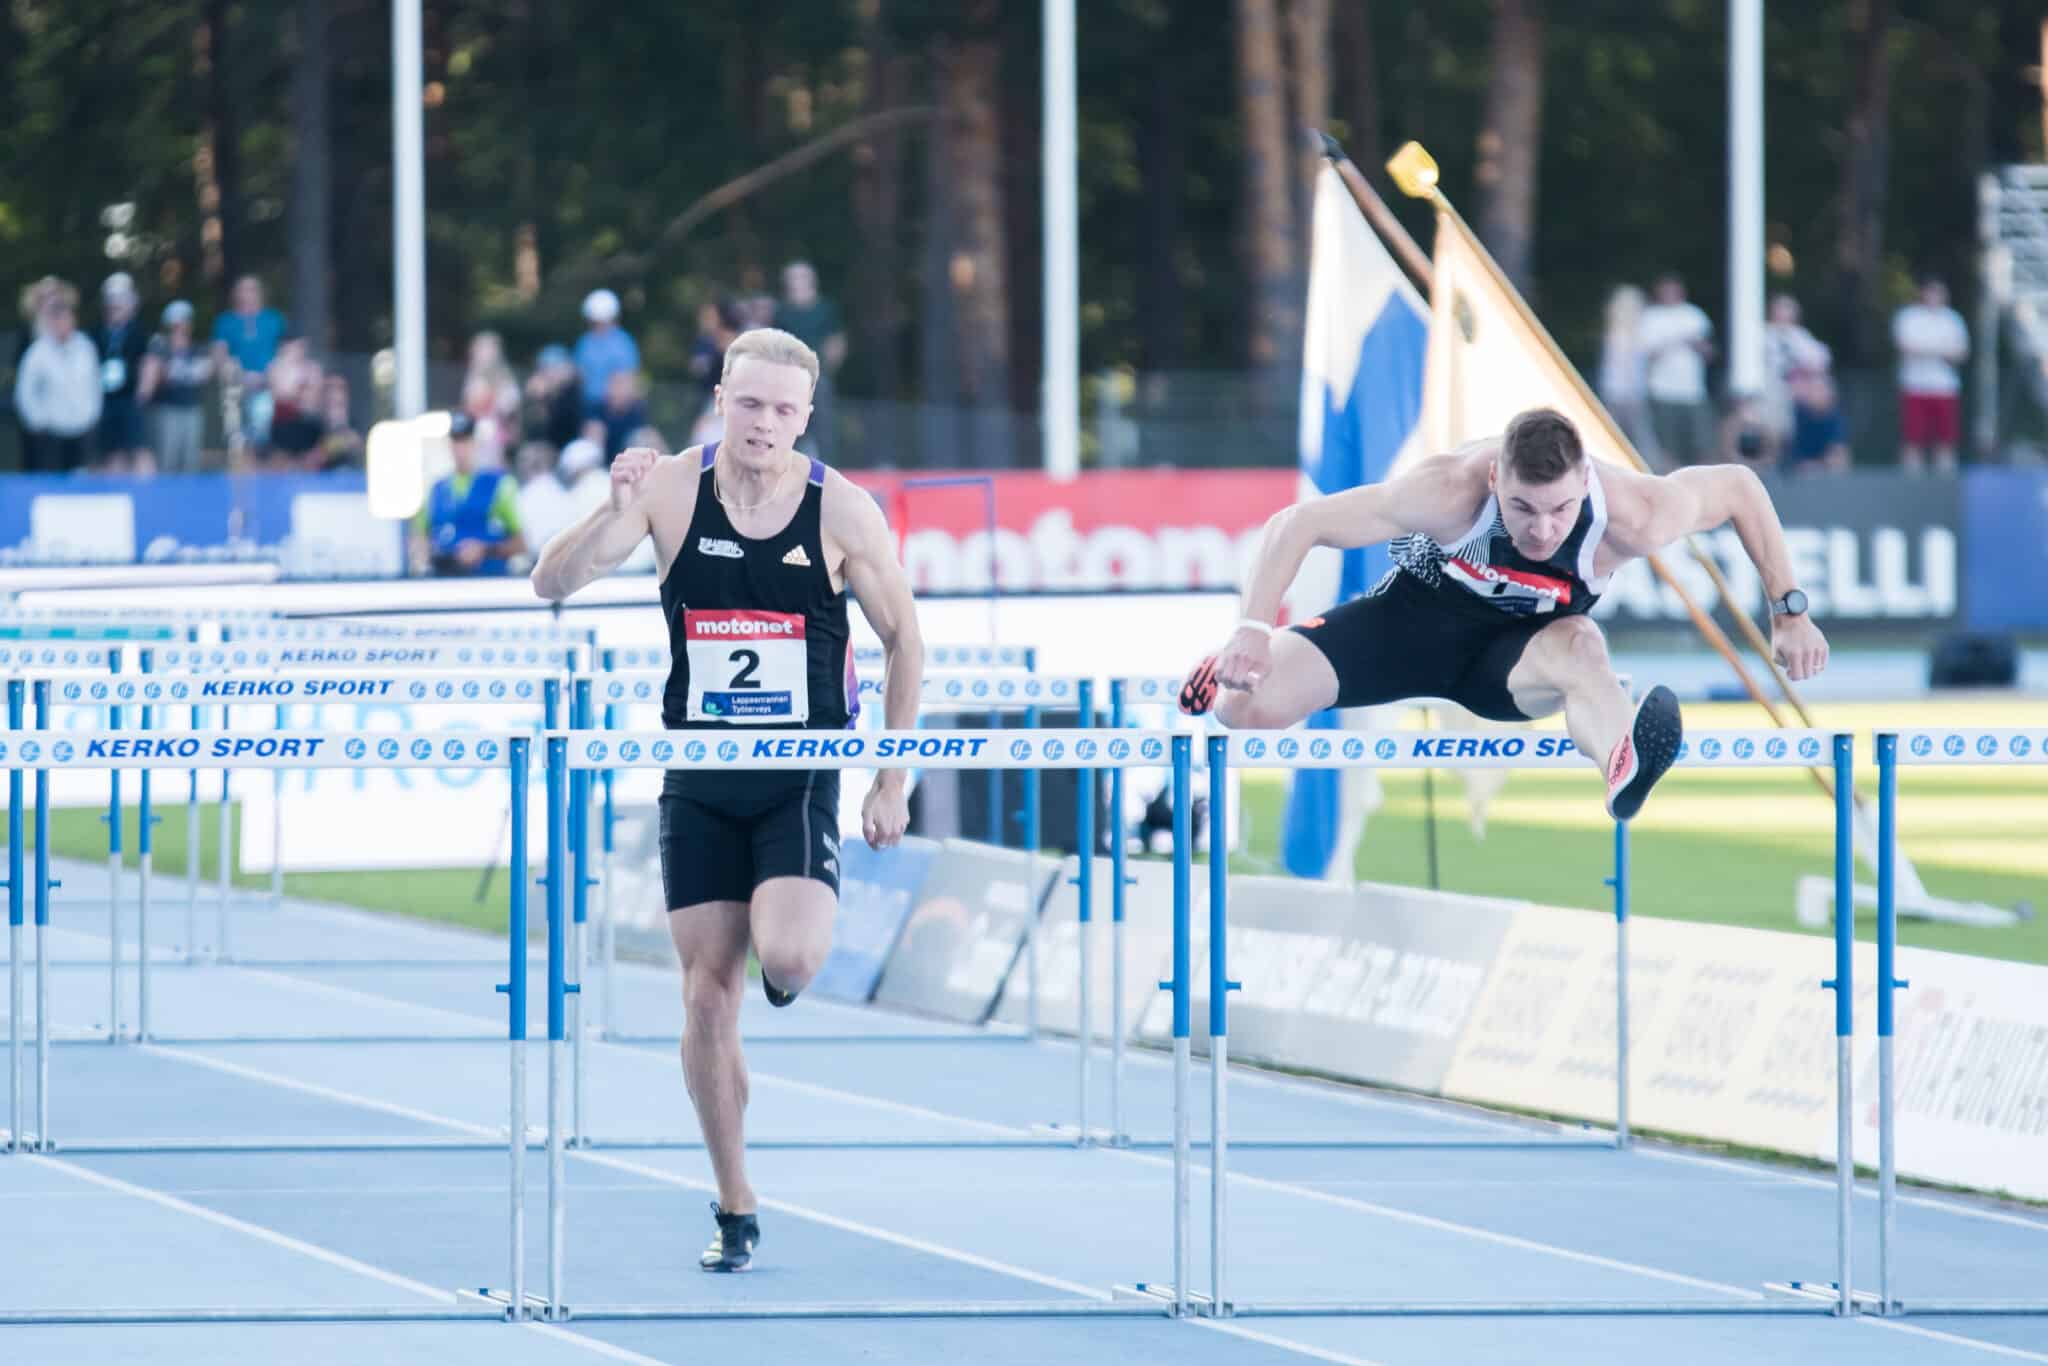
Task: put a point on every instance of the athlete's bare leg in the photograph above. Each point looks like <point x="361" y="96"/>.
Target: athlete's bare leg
<point x="1566" y="665"/>
<point x="1300" y="684"/>
<point x="711" y="939"/>
<point x="791" y="924"/>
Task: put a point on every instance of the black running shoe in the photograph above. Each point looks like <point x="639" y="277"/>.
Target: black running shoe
<point x="1644" y="754"/>
<point x="777" y="997"/>
<point x="733" y="1247"/>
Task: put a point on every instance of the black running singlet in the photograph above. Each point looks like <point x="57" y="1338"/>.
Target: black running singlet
<point x="757" y="631"/>
<point x="1483" y="569"/>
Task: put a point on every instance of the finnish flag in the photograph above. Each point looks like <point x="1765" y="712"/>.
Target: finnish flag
<point x="1361" y="419"/>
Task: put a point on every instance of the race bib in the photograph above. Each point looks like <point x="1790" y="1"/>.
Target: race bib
<point x="747" y="668"/>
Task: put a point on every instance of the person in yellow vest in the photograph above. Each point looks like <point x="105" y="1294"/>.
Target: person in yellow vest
<point x="470" y="523"/>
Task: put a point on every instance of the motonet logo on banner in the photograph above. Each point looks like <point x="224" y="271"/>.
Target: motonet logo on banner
<point x="1116" y="529"/>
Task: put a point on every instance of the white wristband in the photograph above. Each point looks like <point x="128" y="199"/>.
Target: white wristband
<point x="1263" y="628"/>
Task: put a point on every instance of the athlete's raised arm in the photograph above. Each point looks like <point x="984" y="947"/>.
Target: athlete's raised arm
<point x="1437" y="498"/>
<point x="1649" y="513"/>
<point x="600" y="543"/>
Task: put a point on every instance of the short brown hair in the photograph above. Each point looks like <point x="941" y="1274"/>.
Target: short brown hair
<point x="1541" y="446"/>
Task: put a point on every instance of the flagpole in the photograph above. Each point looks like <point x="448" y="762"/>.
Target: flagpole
<point x="1407" y="166"/>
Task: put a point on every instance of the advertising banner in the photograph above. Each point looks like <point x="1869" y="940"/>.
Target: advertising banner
<point x="1148" y="949"/>
<point x="1869" y="549"/>
<point x="876" y="888"/>
<point x="2005" y="554"/>
<point x="964" y="931"/>
<point x="313" y="526"/>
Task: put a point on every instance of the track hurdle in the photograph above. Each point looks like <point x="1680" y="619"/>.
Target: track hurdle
<point x="148" y="692"/>
<point x="1512" y="749"/>
<point x="743" y="750"/>
<point x="345" y="656"/>
<point x="1920" y="748"/>
<point x="42" y="752"/>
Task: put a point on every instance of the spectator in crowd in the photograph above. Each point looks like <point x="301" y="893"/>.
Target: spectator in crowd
<point x="717" y="324"/>
<point x="623" y="412"/>
<point x="1677" y="339"/>
<point x="175" y="375"/>
<point x="470" y="523"/>
<point x="33" y="296"/>
<point x="814" y="319"/>
<point x="1747" y="437"/>
<point x="341" y="445"/>
<point x="554" y="399"/>
<point x="1621" y="369"/>
<point x="1789" y="351"/>
<point x="1932" y="341"/>
<point x="1819" y="443"/>
<point x="487" y="366"/>
<point x="121" y="343"/>
<point x="586" y="474"/>
<point x="286" y="379"/>
<point x="57" y="389"/>
<point x="494" y="435"/>
<point x="298" y="426"/>
<point x="245" y="343"/>
<point x="605" y="349"/>
<point x="545" y="506"/>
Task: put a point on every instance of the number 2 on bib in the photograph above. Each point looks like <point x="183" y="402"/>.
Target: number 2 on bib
<point x="747" y="668"/>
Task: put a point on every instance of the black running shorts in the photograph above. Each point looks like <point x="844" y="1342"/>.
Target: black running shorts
<point x="1403" y="641"/>
<point x="718" y="843"/>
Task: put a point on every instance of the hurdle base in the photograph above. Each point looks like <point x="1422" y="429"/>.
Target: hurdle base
<point x="1826" y="1295"/>
<point x="1899" y="1308"/>
<point x="1114" y="1307"/>
<point x="1783" y="1306"/>
<point x="1162" y="1298"/>
<point x="530" y="1307"/>
<point x="237" y="1314"/>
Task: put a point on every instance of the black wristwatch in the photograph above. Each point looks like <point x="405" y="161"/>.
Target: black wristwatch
<point x="1793" y="604"/>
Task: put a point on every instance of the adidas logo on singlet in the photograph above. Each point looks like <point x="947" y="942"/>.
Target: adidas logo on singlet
<point x="797" y="557"/>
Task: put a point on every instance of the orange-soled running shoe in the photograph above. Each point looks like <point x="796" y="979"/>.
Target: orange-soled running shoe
<point x="1198" y="694"/>
<point x="1643" y="755"/>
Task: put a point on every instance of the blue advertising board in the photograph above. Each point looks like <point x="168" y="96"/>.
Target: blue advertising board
<point x="876" y="889"/>
<point x="2005" y="549"/>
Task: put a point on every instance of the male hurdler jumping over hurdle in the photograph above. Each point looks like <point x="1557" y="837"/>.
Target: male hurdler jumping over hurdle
<point x="1500" y="550"/>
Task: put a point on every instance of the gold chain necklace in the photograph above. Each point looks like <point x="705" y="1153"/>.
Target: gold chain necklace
<point x="773" y="493"/>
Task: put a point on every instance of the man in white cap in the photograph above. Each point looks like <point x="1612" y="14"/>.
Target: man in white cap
<point x="604" y="350"/>
<point x="122" y="342"/>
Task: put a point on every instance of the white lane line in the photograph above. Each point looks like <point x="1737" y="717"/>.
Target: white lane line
<point x="854" y="1226"/>
<point x="256" y="1231"/>
<point x="1238" y="1330"/>
<point x="1341" y="1201"/>
<point x="1957" y="1206"/>
<point x="235" y="1069"/>
<point x="1994" y="1348"/>
<point x="603" y="1349"/>
<point x="1310" y="1193"/>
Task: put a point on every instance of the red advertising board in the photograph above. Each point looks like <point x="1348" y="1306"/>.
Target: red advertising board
<point x="1166" y="529"/>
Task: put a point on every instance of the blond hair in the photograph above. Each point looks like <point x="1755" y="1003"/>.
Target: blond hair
<point x="776" y="347"/>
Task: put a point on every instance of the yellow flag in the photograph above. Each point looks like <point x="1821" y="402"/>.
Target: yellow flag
<point x="1489" y="358"/>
